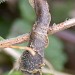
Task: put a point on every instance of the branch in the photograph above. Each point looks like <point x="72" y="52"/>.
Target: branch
<point x="17" y="55"/>
<point x="8" y="42"/>
<point x="30" y="64"/>
<point x="11" y="52"/>
<point x="25" y="37"/>
<point x="62" y="26"/>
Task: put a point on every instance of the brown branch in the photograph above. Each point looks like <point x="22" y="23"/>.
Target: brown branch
<point x="8" y="42"/>
<point x="25" y="37"/>
<point x="24" y="48"/>
<point x="62" y="26"/>
<point x="38" y="40"/>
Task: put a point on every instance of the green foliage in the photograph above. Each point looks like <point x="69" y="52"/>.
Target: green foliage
<point x="1" y="38"/>
<point x="19" y="73"/>
<point x="54" y="53"/>
<point x="24" y="24"/>
<point x="19" y="27"/>
<point x="4" y="27"/>
<point x="47" y="74"/>
<point x="14" y="73"/>
<point x="60" y="11"/>
<point x="26" y="10"/>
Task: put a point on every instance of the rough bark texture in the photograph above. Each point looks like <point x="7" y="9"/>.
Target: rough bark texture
<point x="29" y="64"/>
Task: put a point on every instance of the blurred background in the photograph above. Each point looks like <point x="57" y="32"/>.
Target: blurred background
<point x="17" y="17"/>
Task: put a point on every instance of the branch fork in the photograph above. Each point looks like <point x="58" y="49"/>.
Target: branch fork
<point x="31" y="59"/>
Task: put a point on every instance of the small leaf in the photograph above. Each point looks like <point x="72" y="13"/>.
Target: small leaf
<point x="19" y="27"/>
<point x="1" y="38"/>
<point x="55" y="54"/>
<point x="26" y="10"/>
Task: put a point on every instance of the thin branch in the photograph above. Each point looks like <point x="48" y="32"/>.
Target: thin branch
<point x="25" y="37"/>
<point x="8" y="42"/>
<point x="51" y="69"/>
<point x="62" y="26"/>
<point x="11" y="52"/>
<point x="25" y="49"/>
<point x="49" y="65"/>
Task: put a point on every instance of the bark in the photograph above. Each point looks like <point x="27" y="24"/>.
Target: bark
<point x="29" y="64"/>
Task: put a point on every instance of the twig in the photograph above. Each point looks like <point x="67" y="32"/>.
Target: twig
<point x="51" y="69"/>
<point x="49" y="65"/>
<point x="64" y="25"/>
<point x="12" y="52"/>
<point x="25" y="49"/>
<point x="25" y="37"/>
<point x="12" y="41"/>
